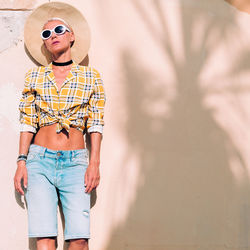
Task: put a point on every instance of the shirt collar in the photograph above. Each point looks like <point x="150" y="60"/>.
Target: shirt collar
<point x="72" y="74"/>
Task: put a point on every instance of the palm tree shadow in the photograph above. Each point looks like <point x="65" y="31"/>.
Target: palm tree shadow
<point x="184" y="161"/>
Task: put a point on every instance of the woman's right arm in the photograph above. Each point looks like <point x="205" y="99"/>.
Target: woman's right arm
<point x="21" y="171"/>
<point x="29" y="121"/>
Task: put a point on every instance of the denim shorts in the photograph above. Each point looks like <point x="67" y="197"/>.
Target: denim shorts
<point x="54" y="174"/>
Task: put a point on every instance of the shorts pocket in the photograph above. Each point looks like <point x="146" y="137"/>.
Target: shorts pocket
<point x="32" y="156"/>
<point x="80" y="158"/>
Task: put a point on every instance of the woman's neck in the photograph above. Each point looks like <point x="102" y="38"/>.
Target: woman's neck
<point x="64" y="57"/>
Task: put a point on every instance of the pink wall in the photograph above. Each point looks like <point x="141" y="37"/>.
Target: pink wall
<point x="175" y="155"/>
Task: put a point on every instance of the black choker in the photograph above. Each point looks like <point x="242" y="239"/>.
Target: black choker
<point x="62" y="63"/>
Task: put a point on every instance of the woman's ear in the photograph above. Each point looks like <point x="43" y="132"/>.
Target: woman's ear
<point x="72" y="38"/>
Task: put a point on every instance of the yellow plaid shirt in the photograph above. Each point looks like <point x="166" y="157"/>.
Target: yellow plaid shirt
<point x="79" y="103"/>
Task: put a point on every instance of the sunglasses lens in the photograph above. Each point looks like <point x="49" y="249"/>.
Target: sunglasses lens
<point x="59" y="29"/>
<point x="46" y="34"/>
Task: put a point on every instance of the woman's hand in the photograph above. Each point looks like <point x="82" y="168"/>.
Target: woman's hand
<point x="21" y="173"/>
<point x="92" y="177"/>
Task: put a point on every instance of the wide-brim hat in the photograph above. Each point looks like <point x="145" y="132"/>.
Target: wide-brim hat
<point x="41" y="15"/>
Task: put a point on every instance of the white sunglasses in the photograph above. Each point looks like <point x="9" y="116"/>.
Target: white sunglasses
<point x="59" y="30"/>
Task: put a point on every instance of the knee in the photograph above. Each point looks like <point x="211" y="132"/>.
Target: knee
<point x="79" y="242"/>
<point x="46" y="239"/>
<point x="45" y="242"/>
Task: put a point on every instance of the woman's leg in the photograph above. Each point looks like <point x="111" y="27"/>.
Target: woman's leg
<point x="75" y="202"/>
<point x="41" y="196"/>
<point x="46" y="243"/>
<point x="78" y="244"/>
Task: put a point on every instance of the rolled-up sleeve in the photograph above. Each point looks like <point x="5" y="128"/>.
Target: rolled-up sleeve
<point x="28" y="113"/>
<point x="96" y="105"/>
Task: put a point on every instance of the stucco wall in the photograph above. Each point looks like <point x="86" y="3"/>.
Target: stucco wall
<point x="175" y="154"/>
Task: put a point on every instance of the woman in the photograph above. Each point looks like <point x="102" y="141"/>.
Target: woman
<point x="59" y="103"/>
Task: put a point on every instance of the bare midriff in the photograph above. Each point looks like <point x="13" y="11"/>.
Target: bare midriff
<point x="47" y="137"/>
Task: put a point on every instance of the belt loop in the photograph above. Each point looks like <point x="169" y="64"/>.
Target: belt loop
<point x="43" y="152"/>
<point x="71" y="155"/>
<point x="86" y="153"/>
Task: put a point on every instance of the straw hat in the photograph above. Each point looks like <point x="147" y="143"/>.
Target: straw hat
<point x="41" y="15"/>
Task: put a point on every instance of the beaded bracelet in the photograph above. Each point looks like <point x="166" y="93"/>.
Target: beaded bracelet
<point x="21" y="157"/>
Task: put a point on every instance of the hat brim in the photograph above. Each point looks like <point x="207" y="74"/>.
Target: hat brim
<point x="41" y="15"/>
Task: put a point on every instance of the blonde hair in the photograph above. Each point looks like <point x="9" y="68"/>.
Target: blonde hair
<point x="59" y="19"/>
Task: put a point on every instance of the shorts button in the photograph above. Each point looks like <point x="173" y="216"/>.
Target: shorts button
<point x="58" y="153"/>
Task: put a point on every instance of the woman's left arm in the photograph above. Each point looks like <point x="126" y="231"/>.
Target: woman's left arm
<point x="95" y="125"/>
<point x="92" y="175"/>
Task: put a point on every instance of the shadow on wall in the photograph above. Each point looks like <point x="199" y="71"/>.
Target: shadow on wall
<point x="84" y="62"/>
<point x="188" y="185"/>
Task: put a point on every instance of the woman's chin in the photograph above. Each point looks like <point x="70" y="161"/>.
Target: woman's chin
<point x="57" y="51"/>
